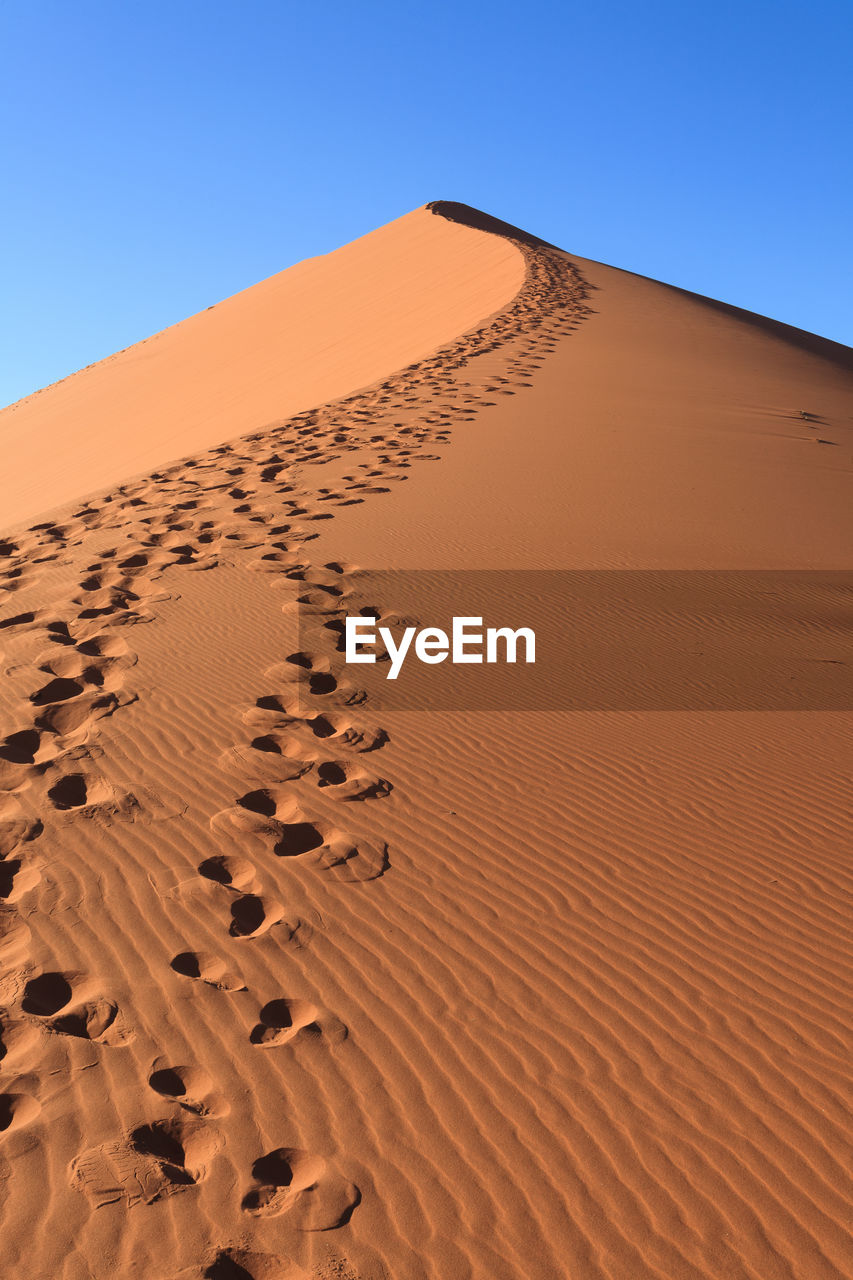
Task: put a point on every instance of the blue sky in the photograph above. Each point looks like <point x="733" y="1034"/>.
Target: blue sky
<point x="158" y="157"/>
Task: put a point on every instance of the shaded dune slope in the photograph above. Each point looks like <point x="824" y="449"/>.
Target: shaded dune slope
<point x="290" y="989"/>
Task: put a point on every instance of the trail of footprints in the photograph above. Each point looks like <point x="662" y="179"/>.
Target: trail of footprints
<point x="307" y="735"/>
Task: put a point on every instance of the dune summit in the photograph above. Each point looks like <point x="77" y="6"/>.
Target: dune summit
<point x="294" y="986"/>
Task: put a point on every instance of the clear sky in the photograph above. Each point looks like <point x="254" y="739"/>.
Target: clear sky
<point x="157" y="157"/>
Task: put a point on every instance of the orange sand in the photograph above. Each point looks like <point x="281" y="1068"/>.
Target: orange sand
<point x="316" y="331"/>
<point x="288" y="990"/>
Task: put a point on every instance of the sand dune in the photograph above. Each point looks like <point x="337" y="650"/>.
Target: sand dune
<point x="316" y="331"/>
<point x="294" y="987"/>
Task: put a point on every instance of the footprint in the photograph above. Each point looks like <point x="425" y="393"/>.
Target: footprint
<point x="248" y="1264"/>
<point x="308" y="661"/>
<point x="274" y="710"/>
<point x="271" y="756"/>
<point x="348" y="781"/>
<point x="284" y="742"/>
<point x="26" y="747"/>
<point x="253" y="915"/>
<point x="152" y="1161"/>
<point x="307" y="679"/>
<point x="16" y="879"/>
<point x="104" y="645"/>
<point x="233" y="873"/>
<point x="61" y="689"/>
<point x="190" y="1087"/>
<point x="322" y="683"/>
<point x="90" y="795"/>
<point x="353" y="860"/>
<point x="94" y="1020"/>
<point x="292" y="1181"/>
<point x="69" y="792"/>
<point x="69" y="665"/>
<point x="321" y="601"/>
<point x="332" y="773"/>
<point x="282" y="1020"/>
<point x="275" y="562"/>
<point x="345" y="731"/>
<point x="51" y="998"/>
<point x="179" y="1152"/>
<point x="76" y="720"/>
<point x="208" y="968"/>
<point x="340" y="567"/>
<point x="17" y="1110"/>
<point x="46" y="994"/>
<point x="19" y="620"/>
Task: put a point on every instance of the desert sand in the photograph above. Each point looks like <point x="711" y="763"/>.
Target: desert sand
<point x="292" y="986"/>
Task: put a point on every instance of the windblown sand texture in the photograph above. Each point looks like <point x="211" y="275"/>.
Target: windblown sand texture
<point x="288" y="990"/>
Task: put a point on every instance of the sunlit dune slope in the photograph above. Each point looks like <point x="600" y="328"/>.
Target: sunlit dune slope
<point x="307" y="335"/>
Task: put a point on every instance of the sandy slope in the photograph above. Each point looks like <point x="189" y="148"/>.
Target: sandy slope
<point x="292" y="988"/>
<point x="313" y="332"/>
